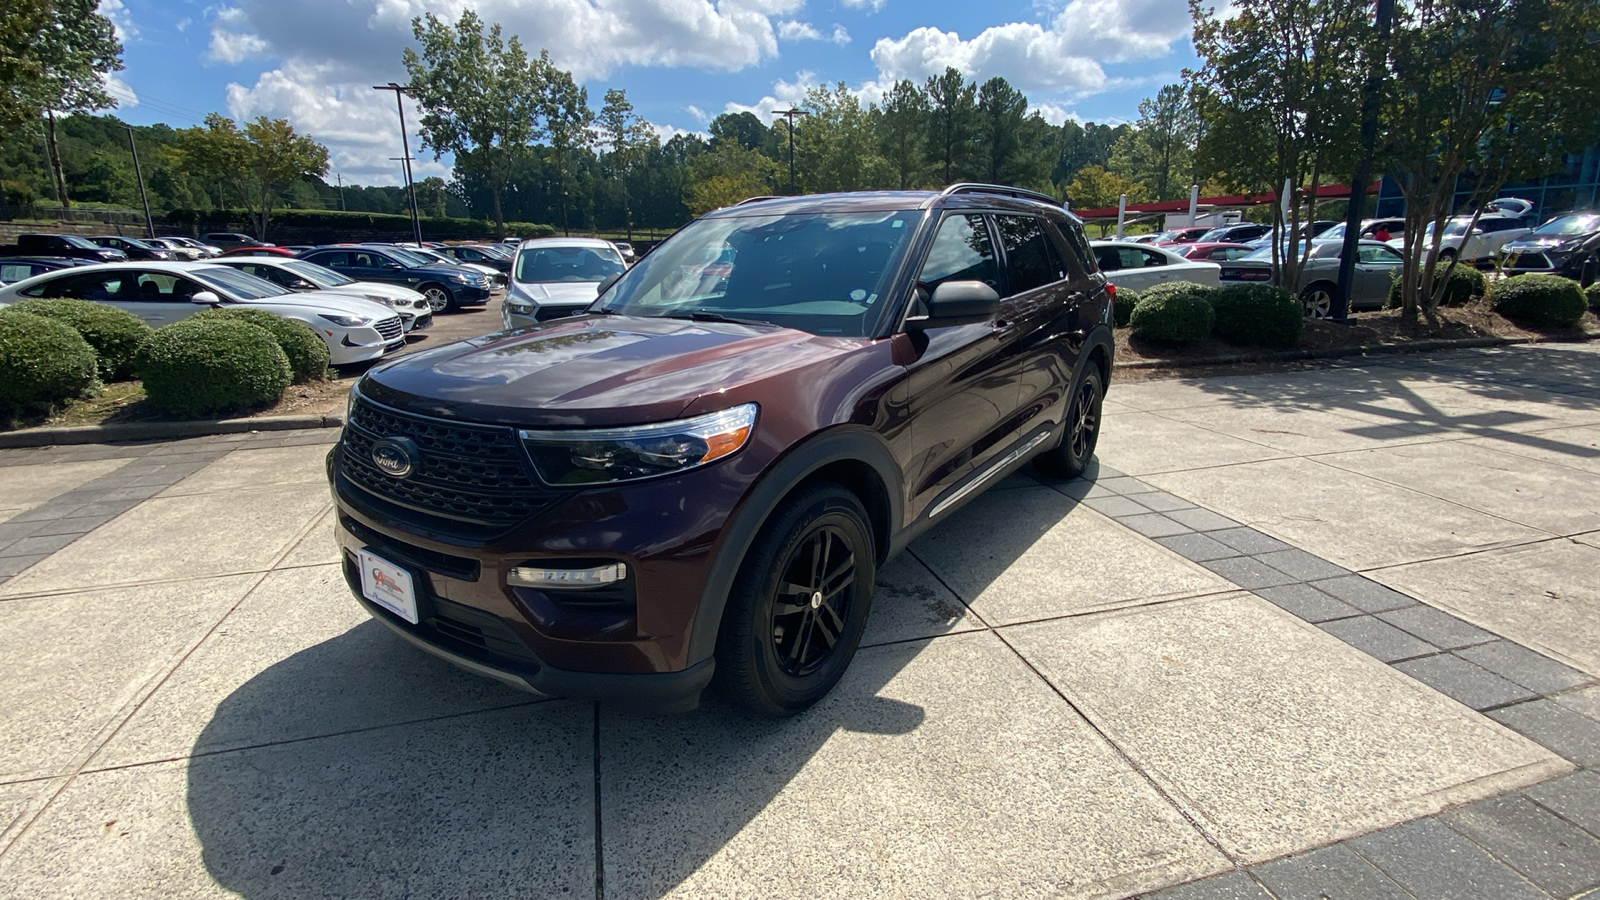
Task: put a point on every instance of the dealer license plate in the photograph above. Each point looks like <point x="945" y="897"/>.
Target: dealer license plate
<point x="387" y="585"/>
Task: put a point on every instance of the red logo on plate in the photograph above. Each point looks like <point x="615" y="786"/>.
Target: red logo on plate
<point x="385" y="583"/>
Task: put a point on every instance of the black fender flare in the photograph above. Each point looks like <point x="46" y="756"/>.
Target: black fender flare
<point x="1099" y="338"/>
<point x="839" y="444"/>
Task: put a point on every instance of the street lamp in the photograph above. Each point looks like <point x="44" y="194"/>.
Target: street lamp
<point x="405" y="148"/>
<point x="790" y="114"/>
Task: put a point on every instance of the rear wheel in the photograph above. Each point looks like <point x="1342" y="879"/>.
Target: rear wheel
<point x="1317" y="300"/>
<point x="1082" y="434"/>
<point x="439" y="297"/>
<point x="799" y="608"/>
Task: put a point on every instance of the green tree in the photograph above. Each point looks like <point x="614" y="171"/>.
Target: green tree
<point x="1088" y="144"/>
<point x="564" y="104"/>
<point x="1095" y="188"/>
<point x="744" y="129"/>
<point x="261" y="163"/>
<point x="1010" y="148"/>
<point x="480" y="96"/>
<point x="835" y="145"/>
<point x="902" y="127"/>
<point x="628" y="138"/>
<point x="1159" y="151"/>
<point x="728" y="175"/>
<point x="953" y="117"/>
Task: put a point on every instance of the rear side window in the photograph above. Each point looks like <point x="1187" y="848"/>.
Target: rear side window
<point x="334" y="259"/>
<point x="962" y="251"/>
<point x="1031" y="257"/>
<point x="1077" y="244"/>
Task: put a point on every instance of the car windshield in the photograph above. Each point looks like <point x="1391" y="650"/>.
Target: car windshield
<point x="321" y="276"/>
<point x="826" y="273"/>
<point x="1456" y="226"/>
<point x="239" y="284"/>
<point x="550" y="265"/>
<point x="1566" y="225"/>
<point x="408" y="257"/>
<point x="493" y="251"/>
<point x="1265" y="250"/>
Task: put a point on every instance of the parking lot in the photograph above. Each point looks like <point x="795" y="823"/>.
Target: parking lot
<point x="1329" y="632"/>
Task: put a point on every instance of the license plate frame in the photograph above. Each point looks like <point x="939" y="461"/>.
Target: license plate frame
<point x="388" y="584"/>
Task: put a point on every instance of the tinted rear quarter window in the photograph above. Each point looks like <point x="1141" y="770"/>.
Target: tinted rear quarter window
<point x="1031" y="257"/>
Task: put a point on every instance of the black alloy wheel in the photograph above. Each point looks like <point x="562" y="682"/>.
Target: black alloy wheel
<point x="1071" y="457"/>
<point x="812" y="603"/>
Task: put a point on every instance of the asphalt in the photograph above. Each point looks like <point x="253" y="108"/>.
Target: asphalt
<point x="1326" y="633"/>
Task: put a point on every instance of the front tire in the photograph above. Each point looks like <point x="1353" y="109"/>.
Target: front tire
<point x="799" y="608"/>
<point x="1317" y="300"/>
<point x="439" y="297"/>
<point x="1083" y="431"/>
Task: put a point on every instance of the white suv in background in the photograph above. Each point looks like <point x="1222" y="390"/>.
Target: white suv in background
<point x="555" y="277"/>
<point x="1492" y="232"/>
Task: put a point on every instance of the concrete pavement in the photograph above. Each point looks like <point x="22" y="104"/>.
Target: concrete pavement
<point x="1323" y="632"/>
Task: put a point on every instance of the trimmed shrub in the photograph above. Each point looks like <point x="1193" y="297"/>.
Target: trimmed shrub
<point x="307" y="351"/>
<point x="202" y="366"/>
<point x="114" y="334"/>
<point x="1466" y="285"/>
<point x="1258" y="315"/>
<point x="42" y="361"/>
<point x="1122" y="307"/>
<point x="1177" y="312"/>
<point x="1539" y="300"/>
<point x="1593" y="293"/>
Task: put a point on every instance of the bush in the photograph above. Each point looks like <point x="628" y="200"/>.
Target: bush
<point x="307" y="352"/>
<point x="201" y="366"/>
<point x="1258" y="315"/>
<point x="114" y="334"/>
<point x="1593" y="293"/>
<point x="1539" y="300"/>
<point x="1177" y="312"/>
<point x="1122" y="306"/>
<point x="1466" y="285"/>
<point x="42" y="361"/>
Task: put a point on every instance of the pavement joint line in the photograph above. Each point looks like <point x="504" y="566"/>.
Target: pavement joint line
<point x="154" y="582"/>
<point x="1475" y="551"/>
<point x="599" y="841"/>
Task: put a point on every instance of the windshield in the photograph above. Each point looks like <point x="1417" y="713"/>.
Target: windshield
<point x="1569" y="225"/>
<point x="1264" y="251"/>
<point x="491" y="250"/>
<point x="408" y="257"/>
<point x="826" y="273"/>
<point x="321" y="276"/>
<point x="1456" y="226"/>
<point x="550" y="265"/>
<point x="237" y="284"/>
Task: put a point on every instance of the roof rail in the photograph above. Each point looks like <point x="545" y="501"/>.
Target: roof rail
<point x="1002" y="190"/>
<point x="758" y="199"/>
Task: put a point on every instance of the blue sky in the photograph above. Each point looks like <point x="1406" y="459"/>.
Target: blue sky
<point x="681" y="61"/>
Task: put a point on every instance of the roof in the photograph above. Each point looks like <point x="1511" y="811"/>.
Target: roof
<point x="957" y="195"/>
<point x="565" y="242"/>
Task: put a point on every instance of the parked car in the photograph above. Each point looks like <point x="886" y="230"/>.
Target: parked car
<point x="447" y="288"/>
<point x="206" y="250"/>
<point x="1140" y="267"/>
<point x="19" y="268"/>
<point x="264" y="250"/>
<point x="556" y="277"/>
<point x="1492" y="232"/>
<point x="1185" y="235"/>
<point x="177" y="250"/>
<point x="496" y="278"/>
<point x="1242" y="233"/>
<point x="1371" y="230"/>
<point x="160" y="293"/>
<point x="1316" y="228"/>
<point x="299" y="275"/>
<point x="1377" y="266"/>
<point x="481" y="256"/>
<point x="71" y="246"/>
<point x="227" y="240"/>
<point x="629" y="256"/>
<point x="703" y="475"/>
<point x="1216" y="253"/>
<point x="1566" y="245"/>
<point x="133" y="247"/>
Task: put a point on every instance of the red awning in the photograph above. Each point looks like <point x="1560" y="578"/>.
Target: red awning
<point x="1325" y="192"/>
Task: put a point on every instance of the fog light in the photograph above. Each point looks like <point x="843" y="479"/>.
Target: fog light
<point x="599" y="576"/>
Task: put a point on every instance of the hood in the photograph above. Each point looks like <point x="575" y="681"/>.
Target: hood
<point x="557" y="292"/>
<point x="324" y="302"/>
<point x="593" y="371"/>
<point x="392" y="292"/>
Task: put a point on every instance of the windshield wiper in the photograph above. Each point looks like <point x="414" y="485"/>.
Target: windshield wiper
<point x="703" y="316"/>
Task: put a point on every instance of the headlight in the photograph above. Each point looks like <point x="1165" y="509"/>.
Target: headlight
<point x="377" y="299"/>
<point x="643" y="451"/>
<point x="521" y="309"/>
<point x="345" y="321"/>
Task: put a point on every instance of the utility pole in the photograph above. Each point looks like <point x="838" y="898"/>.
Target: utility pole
<point x="790" y="114"/>
<point x="340" y="177"/>
<point x="1371" y="96"/>
<point x="149" y="223"/>
<point x="405" y="148"/>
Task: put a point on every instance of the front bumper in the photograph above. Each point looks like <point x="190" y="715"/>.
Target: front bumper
<point x="471" y="295"/>
<point x="537" y="314"/>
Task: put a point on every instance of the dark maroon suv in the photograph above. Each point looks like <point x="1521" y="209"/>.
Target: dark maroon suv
<point x="696" y="479"/>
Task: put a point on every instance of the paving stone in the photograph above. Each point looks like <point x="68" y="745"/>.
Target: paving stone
<point x="113" y="509"/>
<point x="1548" y="851"/>
<point x="1115" y="506"/>
<point x="1302" y="565"/>
<point x="74" y="525"/>
<point x="1307" y="602"/>
<point x="1364" y="593"/>
<point x="49" y="511"/>
<point x="1081" y="489"/>
<point x="1161" y="501"/>
<point x="1153" y="525"/>
<point x="1203" y="519"/>
<point x="1575" y="798"/>
<point x="1197" y="547"/>
<point x="13" y="565"/>
<point x="1122" y="484"/>
<point x="1574" y="736"/>
<point x="1249" y="540"/>
<point x="1437" y="627"/>
<point x="16" y="531"/>
<point x="1585" y="702"/>
<point x="1534" y="671"/>
<point x="1435" y="863"/>
<point x="1378" y="639"/>
<point x="1331" y="873"/>
<point x="1232" y="886"/>
<point x="1247" y="573"/>
<point x="32" y="546"/>
<point x="1472" y="685"/>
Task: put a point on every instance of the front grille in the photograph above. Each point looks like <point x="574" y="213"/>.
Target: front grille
<point x="390" y="328"/>
<point x="467" y="473"/>
<point x="1531" y="260"/>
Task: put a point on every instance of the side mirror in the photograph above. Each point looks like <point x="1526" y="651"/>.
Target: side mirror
<point x="205" y="298"/>
<point x="958" y="303"/>
<point x="300" y="284"/>
<point x="606" y="285"/>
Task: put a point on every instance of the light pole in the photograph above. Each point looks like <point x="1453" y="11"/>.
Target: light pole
<point x="405" y="149"/>
<point x="790" y="114"/>
<point x="149" y="223"/>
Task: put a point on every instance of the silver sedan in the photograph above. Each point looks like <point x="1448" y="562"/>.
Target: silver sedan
<point x="1377" y="266"/>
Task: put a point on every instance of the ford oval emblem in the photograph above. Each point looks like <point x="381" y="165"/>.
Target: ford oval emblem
<point x="397" y="457"/>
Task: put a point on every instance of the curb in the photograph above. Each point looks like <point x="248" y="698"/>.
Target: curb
<point x="1341" y="352"/>
<point x="160" y="431"/>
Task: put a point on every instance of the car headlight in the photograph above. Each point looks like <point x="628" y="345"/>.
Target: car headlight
<point x="345" y="321"/>
<point x="643" y="451"/>
<point x="377" y="299"/>
<point x="521" y="309"/>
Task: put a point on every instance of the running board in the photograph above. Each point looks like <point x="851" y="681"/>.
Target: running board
<point x="994" y="469"/>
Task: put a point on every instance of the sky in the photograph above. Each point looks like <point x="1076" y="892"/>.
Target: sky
<point x="682" y="62"/>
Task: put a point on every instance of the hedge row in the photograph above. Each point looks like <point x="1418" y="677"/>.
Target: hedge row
<point x="433" y="227"/>
<point x="1182" y="312"/>
<point x="1542" y="301"/>
<point x="197" y="367"/>
<point x="1465" y="285"/>
<point x="42" y="362"/>
<point x="114" y="334"/>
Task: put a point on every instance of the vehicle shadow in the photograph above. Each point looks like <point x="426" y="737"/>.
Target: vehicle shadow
<point x="503" y="801"/>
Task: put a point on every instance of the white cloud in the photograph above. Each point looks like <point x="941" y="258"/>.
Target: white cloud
<point x="791" y="30"/>
<point x="120" y="91"/>
<point x="121" y="19"/>
<point x="785" y="95"/>
<point x="840" y="36"/>
<point x="1054" y="114"/>
<point x="668" y="132"/>
<point x="868" y="5"/>
<point x="699" y="114"/>
<point x="1066" y="56"/>
<point x="231" y="43"/>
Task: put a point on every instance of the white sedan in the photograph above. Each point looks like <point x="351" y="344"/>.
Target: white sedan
<point x="355" y="330"/>
<point x="298" y="275"/>
<point x="1140" y="266"/>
